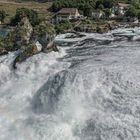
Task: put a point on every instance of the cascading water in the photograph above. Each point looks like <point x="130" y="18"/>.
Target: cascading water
<point x="89" y="90"/>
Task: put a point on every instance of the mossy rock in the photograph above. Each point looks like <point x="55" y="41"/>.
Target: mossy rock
<point x="29" y="51"/>
<point x="50" y="47"/>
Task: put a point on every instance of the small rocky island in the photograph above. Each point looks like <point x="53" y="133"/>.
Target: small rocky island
<point x="28" y="40"/>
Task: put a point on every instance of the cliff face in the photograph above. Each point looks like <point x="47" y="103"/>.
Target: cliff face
<point x="23" y="32"/>
<point x="28" y="40"/>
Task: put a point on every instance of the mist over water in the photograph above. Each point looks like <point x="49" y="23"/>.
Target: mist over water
<point x="89" y="90"/>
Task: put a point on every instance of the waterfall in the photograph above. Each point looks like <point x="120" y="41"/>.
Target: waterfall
<point x="89" y="90"/>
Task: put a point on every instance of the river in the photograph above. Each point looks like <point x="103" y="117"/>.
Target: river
<point x="89" y="90"/>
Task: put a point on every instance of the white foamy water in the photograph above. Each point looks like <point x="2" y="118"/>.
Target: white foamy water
<point x="89" y="90"/>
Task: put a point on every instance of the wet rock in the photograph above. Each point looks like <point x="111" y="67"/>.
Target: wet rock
<point x="29" y="51"/>
<point x="3" y="51"/>
<point x="44" y="40"/>
<point x="74" y="35"/>
<point x="44" y="33"/>
<point x="19" y="36"/>
<point x="50" y="47"/>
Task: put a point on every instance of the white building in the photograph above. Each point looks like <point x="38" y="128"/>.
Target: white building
<point x="67" y="14"/>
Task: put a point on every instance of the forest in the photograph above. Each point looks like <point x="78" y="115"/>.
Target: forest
<point x="85" y="6"/>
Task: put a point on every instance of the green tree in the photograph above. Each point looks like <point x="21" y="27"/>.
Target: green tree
<point x="131" y="12"/>
<point x="108" y="3"/>
<point x="138" y="14"/>
<point x="101" y="6"/>
<point x="2" y="15"/>
<point x="31" y="14"/>
<point x="107" y="13"/>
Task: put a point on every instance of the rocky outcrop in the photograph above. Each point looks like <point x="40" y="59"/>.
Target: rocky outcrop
<point x="103" y="28"/>
<point x="23" y="32"/>
<point x="19" y="36"/>
<point x="29" y="40"/>
<point x="3" y="51"/>
<point x="50" y="47"/>
<point x="26" y="53"/>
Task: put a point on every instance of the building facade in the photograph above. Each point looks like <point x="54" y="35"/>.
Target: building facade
<point x="66" y="14"/>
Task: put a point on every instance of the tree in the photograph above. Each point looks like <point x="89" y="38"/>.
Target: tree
<point x="131" y="12"/>
<point x="101" y="7"/>
<point x="31" y="14"/>
<point x="82" y="5"/>
<point x="2" y="15"/>
<point x="138" y="14"/>
<point x="108" y="3"/>
<point x="107" y="13"/>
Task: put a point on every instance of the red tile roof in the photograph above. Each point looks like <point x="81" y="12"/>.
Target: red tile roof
<point x="67" y="11"/>
<point x="123" y="5"/>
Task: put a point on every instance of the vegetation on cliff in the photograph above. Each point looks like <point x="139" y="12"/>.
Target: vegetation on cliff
<point x="30" y="35"/>
<point x="31" y="14"/>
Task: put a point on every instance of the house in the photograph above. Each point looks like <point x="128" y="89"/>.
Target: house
<point x="97" y="14"/>
<point x="119" y="9"/>
<point x="66" y="14"/>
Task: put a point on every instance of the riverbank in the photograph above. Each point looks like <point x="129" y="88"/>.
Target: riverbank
<point x="92" y="26"/>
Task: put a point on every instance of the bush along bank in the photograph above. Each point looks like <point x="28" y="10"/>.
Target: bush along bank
<point x="87" y="25"/>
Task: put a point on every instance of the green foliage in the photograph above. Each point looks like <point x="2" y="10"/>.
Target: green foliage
<point x="107" y="12"/>
<point x="83" y="5"/>
<point x="131" y="12"/>
<point x="31" y="14"/>
<point x="2" y="15"/>
<point x="62" y="27"/>
<point x="138" y="14"/>
<point x="44" y="28"/>
<point x="87" y="5"/>
<point x="104" y="3"/>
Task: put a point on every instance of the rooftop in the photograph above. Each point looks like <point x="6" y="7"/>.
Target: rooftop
<point x="67" y="11"/>
<point x="123" y="5"/>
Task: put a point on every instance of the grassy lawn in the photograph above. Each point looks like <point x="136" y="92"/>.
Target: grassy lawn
<point x="11" y="6"/>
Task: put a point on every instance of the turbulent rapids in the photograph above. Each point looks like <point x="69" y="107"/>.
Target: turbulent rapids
<point x="89" y="90"/>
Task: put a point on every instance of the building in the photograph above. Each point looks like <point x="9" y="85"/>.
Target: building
<point x="97" y="14"/>
<point x="119" y="9"/>
<point x="66" y="14"/>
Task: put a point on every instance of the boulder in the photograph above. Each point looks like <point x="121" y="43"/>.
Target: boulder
<point x="19" y="36"/>
<point x="29" y="51"/>
<point x="50" y="47"/>
<point x="44" y="33"/>
<point x="74" y="35"/>
<point x="23" y="32"/>
<point x="3" y="51"/>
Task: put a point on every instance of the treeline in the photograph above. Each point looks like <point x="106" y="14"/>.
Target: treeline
<point x="31" y="14"/>
<point x="86" y="5"/>
<point x="83" y="5"/>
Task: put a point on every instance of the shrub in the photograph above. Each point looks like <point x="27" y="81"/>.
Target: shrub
<point x="31" y="14"/>
<point x="62" y="27"/>
<point x="2" y="15"/>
